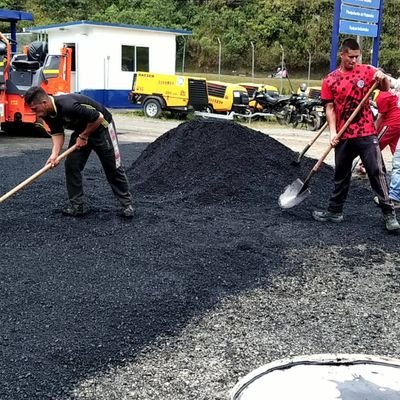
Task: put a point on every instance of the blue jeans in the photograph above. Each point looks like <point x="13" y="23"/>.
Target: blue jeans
<point x="394" y="189"/>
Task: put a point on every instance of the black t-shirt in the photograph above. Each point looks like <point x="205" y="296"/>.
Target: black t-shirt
<point x="74" y="111"/>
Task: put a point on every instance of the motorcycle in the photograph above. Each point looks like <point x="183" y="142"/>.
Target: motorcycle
<point x="268" y="103"/>
<point x="303" y="110"/>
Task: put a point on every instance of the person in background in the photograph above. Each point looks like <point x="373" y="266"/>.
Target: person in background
<point x="388" y="104"/>
<point x="93" y="129"/>
<point x="342" y="91"/>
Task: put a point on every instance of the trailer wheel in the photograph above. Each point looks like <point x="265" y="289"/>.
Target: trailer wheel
<point x="152" y="108"/>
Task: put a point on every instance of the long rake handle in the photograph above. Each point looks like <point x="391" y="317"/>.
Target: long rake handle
<point x="36" y="174"/>
<point x="342" y="130"/>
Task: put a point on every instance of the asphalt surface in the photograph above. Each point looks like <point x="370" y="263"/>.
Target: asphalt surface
<point x="208" y="282"/>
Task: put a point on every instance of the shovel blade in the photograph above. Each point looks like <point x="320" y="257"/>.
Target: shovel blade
<point x="293" y="194"/>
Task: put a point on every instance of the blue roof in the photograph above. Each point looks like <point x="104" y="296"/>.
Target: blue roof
<point x="107" y="24"/>
<point x="13" y="16"/>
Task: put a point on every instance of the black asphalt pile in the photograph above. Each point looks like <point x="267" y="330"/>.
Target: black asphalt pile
<point x="216" y="162"/>
<point x="210" y="280"/>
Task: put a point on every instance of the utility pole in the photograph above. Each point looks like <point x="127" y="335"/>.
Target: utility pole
<point x="219" y="58"/>
<point x="252" y="60"/>
<point x="282" y="65"/>
<point x="309" y="68"/>
<point x="183" y="55"/>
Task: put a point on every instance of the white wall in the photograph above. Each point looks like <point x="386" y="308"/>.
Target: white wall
<point x="98" y="53"/>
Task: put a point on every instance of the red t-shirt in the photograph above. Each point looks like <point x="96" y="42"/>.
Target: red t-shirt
<point x="345" y="90"/>
<point x="388" y="104"/>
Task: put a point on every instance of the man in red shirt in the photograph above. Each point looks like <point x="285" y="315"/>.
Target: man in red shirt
<point x="342" y="91"/>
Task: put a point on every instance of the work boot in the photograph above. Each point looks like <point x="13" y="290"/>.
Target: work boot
<point x="391" y="222"/>
<point x="75" y="210"/>
<point x="327" y="216"/>
<point x="128" y="212"/>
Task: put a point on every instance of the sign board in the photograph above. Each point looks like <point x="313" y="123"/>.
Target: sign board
<point x="358" y="28"/>
<point x="357" y="18"/>
<point x="364" y="3"/>
<point x="359" y="14"/>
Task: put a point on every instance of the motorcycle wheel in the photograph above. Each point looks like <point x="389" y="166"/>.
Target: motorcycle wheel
<point x="283" y="116"/>
<point x="314" y="121"/>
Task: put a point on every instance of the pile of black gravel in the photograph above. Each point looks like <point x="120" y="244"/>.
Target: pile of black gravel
<point x="215" y="162"/>
<point x="81" y="297"/>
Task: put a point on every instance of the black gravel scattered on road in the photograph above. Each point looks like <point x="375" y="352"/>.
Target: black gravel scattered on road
<point x="98" y="308"/>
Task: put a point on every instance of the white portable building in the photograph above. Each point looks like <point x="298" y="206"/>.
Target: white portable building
<point x="105" y="55"/>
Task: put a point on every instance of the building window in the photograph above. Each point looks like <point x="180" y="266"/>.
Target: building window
<point x="135" y="59"/>
<point x="142" y="57"/>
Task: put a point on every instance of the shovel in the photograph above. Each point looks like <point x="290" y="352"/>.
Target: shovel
<point x="297" y="191"/>
<point x="36" y="174"/>
<point x="304" y="151"/>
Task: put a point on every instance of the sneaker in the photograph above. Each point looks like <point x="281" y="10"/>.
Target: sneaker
<point x="128" y="212"/>
<point x="327" y="216"/>
<point x="376" y="200"/>
<point x="74" y="210"/>
<point x="391" y="222"/>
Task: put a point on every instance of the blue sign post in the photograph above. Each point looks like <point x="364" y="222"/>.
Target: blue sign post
<point x="359" y="18"/>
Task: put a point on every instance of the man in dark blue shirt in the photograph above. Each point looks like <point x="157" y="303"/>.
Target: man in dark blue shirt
<point x="93" y="129"/>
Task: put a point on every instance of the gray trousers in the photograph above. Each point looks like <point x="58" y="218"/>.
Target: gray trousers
<point x="106" y="147"/>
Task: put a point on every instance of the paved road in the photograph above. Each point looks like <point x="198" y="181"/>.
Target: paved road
<point x="133" y="128"/>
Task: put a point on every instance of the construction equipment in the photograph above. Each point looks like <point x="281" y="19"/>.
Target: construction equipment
<point x="18" y="72"/>
<point x="297" y="191"/>
<point x="224" y="98"/>
<point x="176" y="93"/>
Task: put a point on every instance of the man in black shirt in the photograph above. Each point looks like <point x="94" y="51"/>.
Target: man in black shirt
<point x="93" y="129"/>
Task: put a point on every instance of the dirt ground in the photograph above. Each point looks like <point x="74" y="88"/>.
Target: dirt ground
<point x="209" y="281"/>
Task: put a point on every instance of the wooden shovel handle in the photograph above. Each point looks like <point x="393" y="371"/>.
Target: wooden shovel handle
<point x="318" y="134"/>
<point x="36" y="174"/>
<point x="345" y="126"/>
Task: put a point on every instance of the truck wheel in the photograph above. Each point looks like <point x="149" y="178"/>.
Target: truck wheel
<point x="152" y="108"/>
